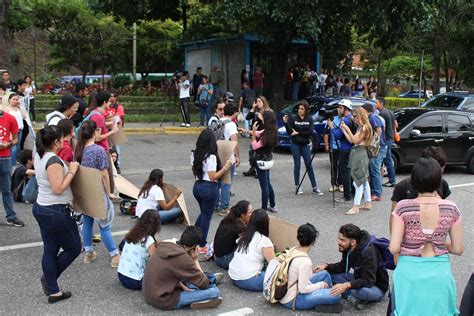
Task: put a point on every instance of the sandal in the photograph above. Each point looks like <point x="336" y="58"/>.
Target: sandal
<point x="354" y="210"/>
<point x="367" y="206"/>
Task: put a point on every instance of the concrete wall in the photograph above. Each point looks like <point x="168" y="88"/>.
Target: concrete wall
<point x="200" y="57"/>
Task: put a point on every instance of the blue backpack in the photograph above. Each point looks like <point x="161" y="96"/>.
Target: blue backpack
<point x="382" y="244"/>
<point x="88" y="117"/>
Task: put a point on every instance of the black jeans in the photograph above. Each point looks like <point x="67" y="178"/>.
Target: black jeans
<point x="32" y="109"/>
<point x="345" y="172"/>
<point x="467" y="302"/>
<point x="336" y="179"/>
<point x="184" y="104"/>
<point x="58" y="231"/>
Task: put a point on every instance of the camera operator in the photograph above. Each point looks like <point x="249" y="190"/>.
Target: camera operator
<point x="181" y="83"/>
<point x="330" y="143"/>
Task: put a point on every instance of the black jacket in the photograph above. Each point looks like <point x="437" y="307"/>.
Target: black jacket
<point x="367" y="264"/>
<point x="304" y="127"/>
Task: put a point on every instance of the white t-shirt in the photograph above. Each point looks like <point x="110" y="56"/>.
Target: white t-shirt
<point x="150" y="202"/>
<point x="18" y="117"/>
<point x="210" y="164"/>
<point x="322" y="79"/>
<point x="246" y="265"/>
<point x="230" y="129"/>
<point x="134" y="258"/>
<point x="184" y="89"/>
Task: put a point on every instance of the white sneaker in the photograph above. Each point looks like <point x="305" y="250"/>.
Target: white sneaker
<point x="183" y="124"/>
<point x="188" y="125"/>
<point x="300" y="191"/>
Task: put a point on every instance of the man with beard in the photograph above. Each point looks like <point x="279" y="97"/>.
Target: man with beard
<point x="369" y="280"/>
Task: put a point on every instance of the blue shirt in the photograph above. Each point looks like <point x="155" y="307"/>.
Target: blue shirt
<point x="334" y="143"/>
<point x="376" y="122"/>
<point x="344" y="144"/>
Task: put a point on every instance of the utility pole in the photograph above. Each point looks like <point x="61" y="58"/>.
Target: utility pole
<point x="134" y="66"/>
<point x="421" y="76"/>
<point x="34" y="54"/>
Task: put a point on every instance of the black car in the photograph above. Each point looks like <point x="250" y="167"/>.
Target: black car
<point x="452" y="100"/>
<point x="422" y="127"/>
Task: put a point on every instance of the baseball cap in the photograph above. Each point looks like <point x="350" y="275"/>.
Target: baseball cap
<point x="67" y="101"/>
<point x="229" y="96"/>
<point x="346" y="103"/>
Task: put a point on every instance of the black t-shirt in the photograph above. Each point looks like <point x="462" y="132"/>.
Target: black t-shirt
<point x="225" y="241"/>
<point x="18" y="175"/>
<point x="405" y="190"/>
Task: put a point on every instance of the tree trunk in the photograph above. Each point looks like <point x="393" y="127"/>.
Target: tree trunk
<point x="6" y="38"/>
<point x="437" y="67"/>
<point x="277" y="77"/>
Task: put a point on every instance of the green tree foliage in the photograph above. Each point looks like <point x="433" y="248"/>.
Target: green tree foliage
<point x="406" y="66"/>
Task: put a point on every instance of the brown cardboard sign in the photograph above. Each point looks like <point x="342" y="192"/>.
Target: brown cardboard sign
<point x="118" y="138"/>
<point x="225" y="148"/>
<point x="169" y="191"/>
<point x="282" y="233"/>
<point x="88" y="192"/>
<point x="126" y="187"/>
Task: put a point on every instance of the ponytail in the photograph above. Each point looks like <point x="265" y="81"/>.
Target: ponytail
<point x="85" y="133"/>
<point x="45" y="139"/>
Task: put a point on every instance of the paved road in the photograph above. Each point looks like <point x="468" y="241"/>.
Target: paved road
<point x="96" y="289"/>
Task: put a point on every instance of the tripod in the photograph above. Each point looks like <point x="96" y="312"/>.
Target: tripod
<point x="331" y="161"/>
<point x="306" y="171"/>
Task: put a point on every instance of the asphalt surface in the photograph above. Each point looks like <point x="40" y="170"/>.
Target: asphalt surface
<point x="95" y="287"/>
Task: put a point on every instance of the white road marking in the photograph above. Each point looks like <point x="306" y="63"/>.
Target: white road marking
<point x="39" y="243"/>
<point x="238" y="312"/>
<point x="461" y="185"/>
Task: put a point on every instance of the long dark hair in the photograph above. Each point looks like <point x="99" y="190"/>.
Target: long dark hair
<point x="45" y="138"/>
<point x="155" y="177"/>
<point x="269" y="135"/>
<point x="148" y="224"/>
<point x="85" y="133"/>
<point x="206" y="145"/>
<point x="259" y="222"/>
<point x="232" y="221"/>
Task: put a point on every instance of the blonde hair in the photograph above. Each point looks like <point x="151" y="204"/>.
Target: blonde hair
<point x="364" y="124"/>
<point x="266" y="105"/>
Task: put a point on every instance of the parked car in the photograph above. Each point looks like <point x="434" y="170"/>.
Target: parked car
<point x="421" y="127"/>
<point x="414" y="94"/>
<point x="320" y="109"/>
<point x="452" y="100"/>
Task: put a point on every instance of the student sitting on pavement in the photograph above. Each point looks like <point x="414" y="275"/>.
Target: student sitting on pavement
<point x="229" y="231"/>
<point x="28" y="191"/>
<point x="369" y="281"/>
<point x="140" y="244"/>
<point x="174" y="278"/>
<point x="307" y="290"/>
<point x="253" y="248"/>
<point x="151" y="196"/>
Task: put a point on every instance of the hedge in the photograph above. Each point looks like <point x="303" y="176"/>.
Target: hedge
<point x="125" y="98"/>
<point x="51" y="104"/>
<point x="141" y="118"/>
<point x="394" y="102"/>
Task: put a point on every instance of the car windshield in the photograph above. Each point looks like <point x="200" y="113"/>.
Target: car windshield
<point x="404" y="117"/>
<point x="443" y="101"/>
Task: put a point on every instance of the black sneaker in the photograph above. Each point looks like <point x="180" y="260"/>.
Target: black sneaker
<point x="15" y="222"/>
<point x="389" y="184"/>
<point x="329" y="309"/>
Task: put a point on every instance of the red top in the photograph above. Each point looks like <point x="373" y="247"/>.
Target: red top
<point x="120" y="112"/>
<point x="257" y="80"/>
<point x="66" y="153"/>
<point x="99" y="120"/>
<point x="8" y="126"/>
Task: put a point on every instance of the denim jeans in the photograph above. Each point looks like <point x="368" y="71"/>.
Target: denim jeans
<point x="254" y="284"/>
<point x="388" y="162"/>
<point x="266" y="187"/>
<point x="15" y="149"/>
<point x="205" y="193"/>
<point x="129" y="283"/>
<point x="223" y="199"/>
<point x="298" y="151"/>
<point x="170" y="215"/>
<point x="375" y="171"/>
<point x="345" y="172"/>
<point x="224" y="262"/>
<point x="245" y="112"/>
<point x="369" y="294"/>
<point x="58" y="231"/>
<point x="6" y="184"/>
<point x="205" y="114"/>
<point x="186" y="298"/>
<point x="363" y="189"/>
<point x="317" y="297"/>
<point x="30" y="192"/>
<point x="295" y="92"/>
<point x="105" y="233"/>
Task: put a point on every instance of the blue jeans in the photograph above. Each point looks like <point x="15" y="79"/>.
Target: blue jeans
<point x="6" y="186"/>
<point x="266" y="187"/>
<point x="170" y="215"/>
<point x="186" y="298"/>
<point x="205" y="113"/>
<point x="105" y="233"/>
<point x="254" y="284"/>
<point x="369" y="294"/>
<point x="298" y="151"/>
<point x="318" y="297"/>
<point x="129" y="283"/>
<point x="295" y="92"/>
<point x="30" y="192"/>
<point x="388" y="162"/>
<point x="224" y="262"/>
<point x="205" y="193"/>
<point x="376" y="172"/>
<point x="223" y="200"/>
<point x="15" y="149"/>
<point x="58" y="231"/>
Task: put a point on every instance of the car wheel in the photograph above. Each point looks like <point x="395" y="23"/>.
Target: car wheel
<point x="396" y="163"/>
<point x="470" y="165"/>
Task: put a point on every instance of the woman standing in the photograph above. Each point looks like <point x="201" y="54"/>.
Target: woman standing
<point x="420" y="228"/>
<point x="253" y="248"/>
<point x="301" y="128"/>
<point x="204" y="92"/>
<point x="15" y="109"/>
<point x="51" y="211"/>
<point x="30" y="92"/>
<point x="263" y="142"/>
<point x="359" y="160"/>
<point x="91" y="155"/>
<point x="207" y="170"/>
<point x="66" y="108"/>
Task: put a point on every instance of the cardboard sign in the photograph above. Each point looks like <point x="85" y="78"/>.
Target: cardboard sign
<point x="88" y="192"/>
<point x="169" y="191"/>
<point x="126" y="187"/>
<point x="282" y="234"/>
<point x="118" y="138"/>
<point x="225" y="149"/>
